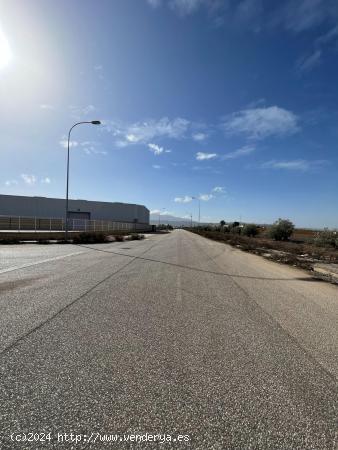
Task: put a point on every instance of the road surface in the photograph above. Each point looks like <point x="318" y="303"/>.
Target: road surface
<point x="173" y="335"/>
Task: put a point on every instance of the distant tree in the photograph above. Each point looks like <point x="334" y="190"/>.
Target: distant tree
<point x="222" y="223"/>
<point x="234" y="224"/>
<point x="236" y="230"/>
<point x="281" y="230"/>
<point x="250" y="229"/>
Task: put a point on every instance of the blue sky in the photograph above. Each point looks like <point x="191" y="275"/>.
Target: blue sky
<point x="234" y="102"/>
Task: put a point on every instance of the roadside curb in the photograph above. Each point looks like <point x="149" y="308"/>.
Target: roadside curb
<point x="327" y="272"/>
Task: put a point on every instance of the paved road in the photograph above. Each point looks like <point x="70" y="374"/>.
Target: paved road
<point x="175" y="334"/>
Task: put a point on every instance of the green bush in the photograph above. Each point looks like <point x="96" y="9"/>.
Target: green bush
<point x="119" y="238"/>
<point x="136" y="237"/>
<point x="206" y="228"/>
<point x="235" y="229"/>
<point x="89" y="238"/>
<point x="10" y="241"/>
<point x="250" y="230"/>
<point x="281" y="230"/>
<point x="44" y="241"/>
<point x="162" y="226"/>
<point x="326" y="238"/>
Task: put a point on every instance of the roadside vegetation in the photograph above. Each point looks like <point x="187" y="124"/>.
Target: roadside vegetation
<point x="280" y="241"/>
<point x="164" y="227"/>
<point x="99" y="238"/>
<point x="79" y="238"/>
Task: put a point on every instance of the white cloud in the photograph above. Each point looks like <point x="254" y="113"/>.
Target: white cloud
<point x="260" y="123"/>
<point x="199" y="137"/>
<point x="94" y="151"/>
<point x="47" y="106"/>
<point x="205" y="197"/>
<point x="156" y="166"/>
<point x="219" y="190"/>
<point x="154" y="3"/>
<point x="328" y="37"/>
<point x="293" y="15"/>
<point x="157" y="150"/>
<point x="243" y="151"/>
<point x="302" y="15"/>
<point x="185" y="199"/>
<point x="161" y="212"/>
<point x="201" y="156"/>
<point x="132" y="138"/>
<point x="28" y="179"/>
<point x="88" y="109"/>
<point x="46" y="180"/>
<point x="145" y="132"/>
<point x="64" y="143"/>
<point x="11" y="182"/>
<point x="184" y="7"/>
<point x="202" y="197"/>
<point x="309" y="62"/>
<point x="98" y="68"/>
<point x="297" y="164"/>
<point x="78" y="112"/>
<point x="91" y="148"/>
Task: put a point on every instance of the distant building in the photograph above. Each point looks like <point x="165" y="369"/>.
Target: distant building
<point x="43" y="207"/>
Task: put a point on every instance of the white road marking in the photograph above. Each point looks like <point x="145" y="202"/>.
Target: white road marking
<point x="11" y="269"/>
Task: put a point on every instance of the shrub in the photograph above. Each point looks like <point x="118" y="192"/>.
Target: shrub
<point x="10" y="241"/>
<point x="236" y="230"/>
<point x="250" y="230"/>
<point x="326" y="238"/>
<point x="234" y="225"/>
<point x="119" y="238"/>
<point x="89" y="238"/>
<point x="281" y="230"/>
<point x="136" y="237"/>
<point x="43" y="241"/>
<point x="166" y="227"/>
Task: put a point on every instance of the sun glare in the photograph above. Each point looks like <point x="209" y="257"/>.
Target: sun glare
<point x="5" y="51"/>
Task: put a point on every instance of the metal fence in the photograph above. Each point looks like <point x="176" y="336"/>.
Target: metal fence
<point x="21" y="223"/>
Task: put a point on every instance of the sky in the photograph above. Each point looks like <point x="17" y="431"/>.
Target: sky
<point x="230" y="103"/>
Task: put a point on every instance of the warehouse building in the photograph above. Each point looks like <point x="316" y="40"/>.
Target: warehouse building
<point x="54" y="208"/>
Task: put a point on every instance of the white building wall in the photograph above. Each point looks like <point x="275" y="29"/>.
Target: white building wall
<point x="12" y="205"/>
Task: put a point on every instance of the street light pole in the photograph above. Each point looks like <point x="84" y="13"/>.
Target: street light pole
<point x="159" y="216"/>
<point x="93" y="122"/>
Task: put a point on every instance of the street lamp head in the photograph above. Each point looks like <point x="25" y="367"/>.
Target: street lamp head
<point x="96" y="122"/>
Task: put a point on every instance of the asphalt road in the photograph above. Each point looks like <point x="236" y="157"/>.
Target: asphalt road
<point x="174" y="335"/>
